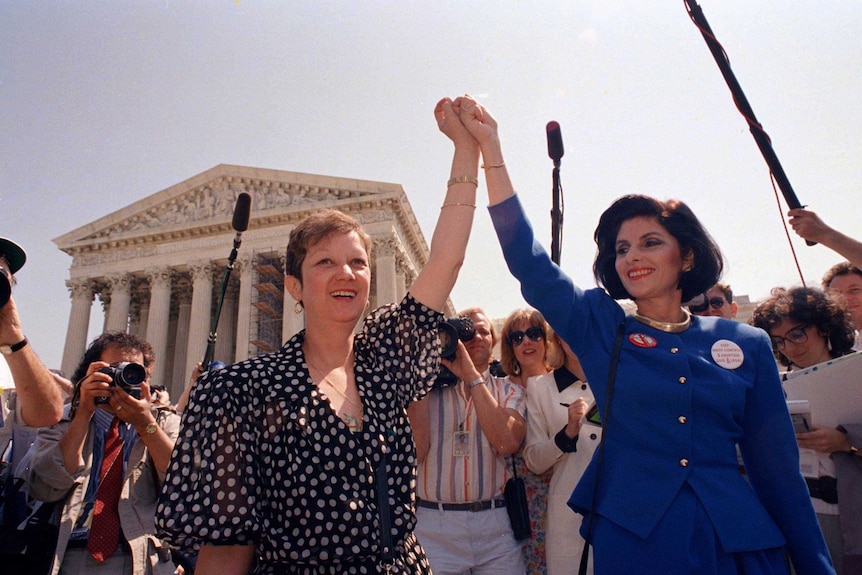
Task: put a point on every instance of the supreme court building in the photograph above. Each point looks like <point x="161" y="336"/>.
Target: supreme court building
<point x="158" y="265"/>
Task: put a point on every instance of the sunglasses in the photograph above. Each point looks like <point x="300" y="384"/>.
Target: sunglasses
<point x="535" y="333"/>
<point x="716" y="302"/>
<point x="796" y="335"/>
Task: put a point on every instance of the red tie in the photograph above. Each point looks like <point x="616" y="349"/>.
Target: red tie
<point x="105" y="529"/>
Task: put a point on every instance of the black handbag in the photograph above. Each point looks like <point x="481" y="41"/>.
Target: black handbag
<point x="27" y="546"/>
<point x="515" y="494"/>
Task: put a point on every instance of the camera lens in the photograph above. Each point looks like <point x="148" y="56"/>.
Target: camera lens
<point x="131" y="373"/>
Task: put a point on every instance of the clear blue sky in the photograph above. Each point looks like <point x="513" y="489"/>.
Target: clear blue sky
<point x="104" y="103"/>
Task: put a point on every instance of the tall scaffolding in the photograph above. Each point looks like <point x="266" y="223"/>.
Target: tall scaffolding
<point x="268" y="300"/>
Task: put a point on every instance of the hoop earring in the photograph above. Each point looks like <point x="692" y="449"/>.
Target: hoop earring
<point x="298" y="307"/>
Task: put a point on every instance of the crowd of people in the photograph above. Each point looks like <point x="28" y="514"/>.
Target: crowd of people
<point x="657" y="441"/>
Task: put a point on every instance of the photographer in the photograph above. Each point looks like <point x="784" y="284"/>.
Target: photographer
<point x="463" y="433"/>
<point x="39" y="399"/>
<point x="107" y="457"/>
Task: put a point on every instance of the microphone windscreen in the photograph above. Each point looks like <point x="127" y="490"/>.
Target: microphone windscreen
<point x="555" y="141"/>
<point x="241" y="212"/>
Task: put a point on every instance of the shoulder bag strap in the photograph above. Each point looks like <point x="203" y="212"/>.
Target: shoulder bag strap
<point x="606" y="419"/>
<point x="387" y="550"/>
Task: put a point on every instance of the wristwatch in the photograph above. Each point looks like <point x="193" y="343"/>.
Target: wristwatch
<point x="7" y="349"/>
<point x="151" y="428"/>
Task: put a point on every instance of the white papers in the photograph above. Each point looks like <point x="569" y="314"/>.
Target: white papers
<point x="830" y="393"/>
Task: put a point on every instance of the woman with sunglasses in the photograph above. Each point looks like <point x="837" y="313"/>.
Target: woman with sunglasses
<point x="808" y="327"/>
<point x="526" y="352"/>
<point x="663" y="493"/>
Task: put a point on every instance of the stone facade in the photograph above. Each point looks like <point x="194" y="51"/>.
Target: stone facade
<point x="158" y="265"/>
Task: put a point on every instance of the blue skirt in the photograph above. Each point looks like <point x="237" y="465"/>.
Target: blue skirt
<point x="684" y="542"/>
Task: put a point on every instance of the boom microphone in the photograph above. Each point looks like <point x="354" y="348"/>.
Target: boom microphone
<point x="241" y="214"/>
<point x="555" y="142"/>
<point x="242" y="211"/>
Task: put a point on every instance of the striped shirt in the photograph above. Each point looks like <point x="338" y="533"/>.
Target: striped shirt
<point x="461" y="466"/>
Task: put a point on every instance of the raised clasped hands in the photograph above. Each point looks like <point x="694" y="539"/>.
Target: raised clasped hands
<point x="464" y="119"/>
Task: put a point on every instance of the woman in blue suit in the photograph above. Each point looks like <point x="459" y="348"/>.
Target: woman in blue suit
<point x="669" y="497"/>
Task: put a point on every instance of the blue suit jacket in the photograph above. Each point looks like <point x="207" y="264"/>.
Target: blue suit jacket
<point x="681" y="404"/>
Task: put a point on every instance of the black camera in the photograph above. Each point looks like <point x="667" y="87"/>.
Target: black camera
<point x="450" y="331"/>
<point x="126" y="375"/>
<point x="5" y="284"/>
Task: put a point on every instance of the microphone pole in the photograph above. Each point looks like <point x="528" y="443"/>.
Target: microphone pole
<point x="241" y="214"/>
<point x="555" y="152"/>
<point x="756" y="129"/>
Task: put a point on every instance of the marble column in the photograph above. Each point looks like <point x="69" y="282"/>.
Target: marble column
<point x="225" y="343"/>
<point x="243" y="321"/>
<point x="81" y="292"/>
<point x="144" y="318"/>
<point x="179" y="377"/>
<point x="385" y="249"/>
<point x="158" y="319"/>
<point x="118" y="313"/>
<point x="200" y="321"/>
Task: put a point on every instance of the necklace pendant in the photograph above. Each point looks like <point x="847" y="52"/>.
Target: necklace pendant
<point x="352" y="423"/>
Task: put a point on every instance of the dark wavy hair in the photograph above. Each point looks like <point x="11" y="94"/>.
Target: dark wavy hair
<point x="680" y="222"/>
<point x="313" y="229"/>
<point x="118" y="339"/>
<point x="808" y="306"/>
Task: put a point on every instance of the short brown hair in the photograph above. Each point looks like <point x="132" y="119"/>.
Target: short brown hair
<point x="842" y="269"/>
<point x="313" y="229"/>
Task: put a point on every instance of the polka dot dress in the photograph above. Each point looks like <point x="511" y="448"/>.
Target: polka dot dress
<point x="263" y="459"/>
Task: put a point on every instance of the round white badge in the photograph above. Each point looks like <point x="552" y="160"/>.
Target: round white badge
<point x="727" y="354"/>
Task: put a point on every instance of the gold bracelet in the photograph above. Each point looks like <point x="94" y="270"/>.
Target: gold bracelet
<point x="463" y="180"/>
<point x="500" y="165"/>
<point x="453" y="204"/>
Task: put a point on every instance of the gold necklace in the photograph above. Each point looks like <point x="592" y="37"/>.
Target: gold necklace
<point x="666" y="326"/>
<point x="353" y="422"/>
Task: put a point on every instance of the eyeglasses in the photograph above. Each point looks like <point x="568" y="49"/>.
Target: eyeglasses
<point x="796" y="335"/>
<point x="716" y="302"/>
<point x="535" y="333"/>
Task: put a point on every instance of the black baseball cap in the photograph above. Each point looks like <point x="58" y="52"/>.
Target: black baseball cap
<point x="13" y="253"/>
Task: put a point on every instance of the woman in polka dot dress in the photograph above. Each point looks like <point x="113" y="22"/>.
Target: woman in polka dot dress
<point x="274" y="470"/>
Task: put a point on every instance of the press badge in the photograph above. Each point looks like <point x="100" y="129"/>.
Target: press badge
<point x="461" y="445"/>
